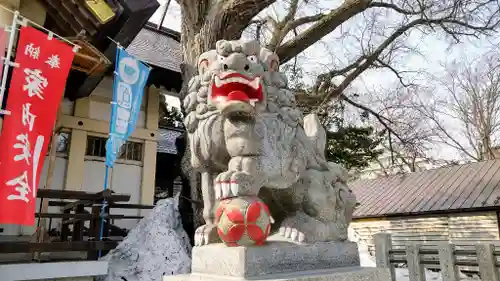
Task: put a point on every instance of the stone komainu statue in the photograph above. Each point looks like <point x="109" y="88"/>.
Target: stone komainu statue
<point x="248" y="138"/>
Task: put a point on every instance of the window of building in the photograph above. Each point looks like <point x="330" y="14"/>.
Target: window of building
<point x="131" y="151"/>
<point x="96" y="146"/>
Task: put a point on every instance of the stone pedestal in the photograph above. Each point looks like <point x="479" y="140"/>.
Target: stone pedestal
<point x="280" y="261"/>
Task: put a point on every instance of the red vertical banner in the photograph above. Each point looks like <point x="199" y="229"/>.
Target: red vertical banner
<point x="35" y="91"/>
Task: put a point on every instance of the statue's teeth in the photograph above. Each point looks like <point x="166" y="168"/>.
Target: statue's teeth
<point x="255" y="83"/>
<point x="237" y="80"/>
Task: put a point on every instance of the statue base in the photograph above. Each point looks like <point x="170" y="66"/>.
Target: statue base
<point x="338" y="274"/>
<point x="278" y="260"/>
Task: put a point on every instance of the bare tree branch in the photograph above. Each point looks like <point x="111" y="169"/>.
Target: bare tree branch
<point x="467" y="117"/>
<point x="395" y="8"/>
<point x="303" y="20"/>
<point x="367" y="61"/>
<point x="320" y="29"/>
<point x="381" y="63"/>
<point x="327" y="23"/>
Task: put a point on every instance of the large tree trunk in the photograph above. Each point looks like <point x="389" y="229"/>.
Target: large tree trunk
<point x="206" y="21"/>
<point x="193" y="45"/>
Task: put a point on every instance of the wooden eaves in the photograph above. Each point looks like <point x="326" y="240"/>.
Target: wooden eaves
<point x="71" y="17"/>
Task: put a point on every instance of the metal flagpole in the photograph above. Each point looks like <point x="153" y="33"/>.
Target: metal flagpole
<point x="7" y="61"/>
<point x="118" y="138"/>
<point x="44" y="204"/>
<point x="160" y="24"/>
<point x="106" y="173"/>
<point x="103" y="207"/>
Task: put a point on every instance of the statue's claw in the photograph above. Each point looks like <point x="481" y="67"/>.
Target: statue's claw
<point x="234" y="183"/>
<point x="290" y="229"/>
<point x="302" y="228"/>
<point x="292" y="233"/>
<point x="206" y="234"/>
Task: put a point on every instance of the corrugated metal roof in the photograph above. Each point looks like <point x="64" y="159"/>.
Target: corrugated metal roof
<point x="469" y="186"/>
<point x="157" y="49"/>
<point x="166" y="141"/>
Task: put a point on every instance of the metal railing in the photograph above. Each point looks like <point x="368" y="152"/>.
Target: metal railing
<point x="443" y="255"/>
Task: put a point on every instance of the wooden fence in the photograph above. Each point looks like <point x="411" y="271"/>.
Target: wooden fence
<point x="73" y="236"/>
<point x="445" y="256"/>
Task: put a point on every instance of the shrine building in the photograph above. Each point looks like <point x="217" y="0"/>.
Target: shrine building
<point x="82" y="125"/>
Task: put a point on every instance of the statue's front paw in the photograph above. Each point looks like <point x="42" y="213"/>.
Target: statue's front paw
<point x="234" y="183"/>
<point x="290" y="229"/>
<point x="303" y="228"/>
<point x="206" y="234"/>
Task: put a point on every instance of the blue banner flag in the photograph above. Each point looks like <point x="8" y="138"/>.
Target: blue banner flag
<point x="128" y="89"/>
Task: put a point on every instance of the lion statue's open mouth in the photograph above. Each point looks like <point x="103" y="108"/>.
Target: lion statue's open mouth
<point x="236" y="93"/>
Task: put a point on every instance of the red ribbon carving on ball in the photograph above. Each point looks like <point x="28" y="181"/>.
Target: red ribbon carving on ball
<point x="237" y="230"/>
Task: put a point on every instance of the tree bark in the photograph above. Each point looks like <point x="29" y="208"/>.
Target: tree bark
<point x="206" y="21"/>
<point x="193" y="44"/>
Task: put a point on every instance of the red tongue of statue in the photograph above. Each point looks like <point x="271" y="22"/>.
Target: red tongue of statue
<point x="238" y="95"/>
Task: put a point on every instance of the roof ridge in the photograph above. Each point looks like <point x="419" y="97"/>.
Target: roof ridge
<point x="474" y="185"/>
<point x="164" y="31"/>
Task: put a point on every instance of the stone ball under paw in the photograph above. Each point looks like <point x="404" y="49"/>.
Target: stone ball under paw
<point x="243" y="221"/>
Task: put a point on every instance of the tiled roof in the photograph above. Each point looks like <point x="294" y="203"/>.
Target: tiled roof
<point x="157" y="48"/>
<point x="469" y="186"/>
<point x="166" y="141"/>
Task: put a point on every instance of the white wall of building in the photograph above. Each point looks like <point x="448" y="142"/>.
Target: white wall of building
<point x="125" y="178"/>
<point x="126" y="175"/>
<point x="100" y="109"/>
